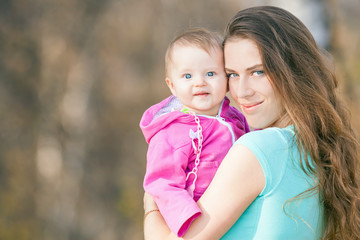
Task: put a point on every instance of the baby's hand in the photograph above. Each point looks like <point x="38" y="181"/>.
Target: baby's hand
<point x="149" y="203"/>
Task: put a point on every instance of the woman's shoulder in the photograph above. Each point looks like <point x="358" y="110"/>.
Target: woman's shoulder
<point x="271" y="147"/>
<point x="268" y="136"/>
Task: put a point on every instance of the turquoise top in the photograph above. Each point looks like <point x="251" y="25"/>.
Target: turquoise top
<point x="265" y="218"/>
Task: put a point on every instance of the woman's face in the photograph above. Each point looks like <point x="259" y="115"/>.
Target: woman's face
<point x="249" y="85"/>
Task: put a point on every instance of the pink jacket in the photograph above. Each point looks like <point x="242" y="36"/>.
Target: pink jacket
<point x="171" y="156"/>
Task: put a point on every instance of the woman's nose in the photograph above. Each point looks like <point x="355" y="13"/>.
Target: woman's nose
<point x="241" y="88"/>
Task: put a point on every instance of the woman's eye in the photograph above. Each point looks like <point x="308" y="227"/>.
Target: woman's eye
<point x="231" y="75"/>
<point x="258" y="73"/>
<point x="210" y="74"/>
<point x="187" y="76"/>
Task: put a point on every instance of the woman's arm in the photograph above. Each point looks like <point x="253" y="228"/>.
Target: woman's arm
<point x="236" y="184"/>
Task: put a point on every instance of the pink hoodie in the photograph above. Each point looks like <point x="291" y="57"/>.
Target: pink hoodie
<point x="171" y="156"/>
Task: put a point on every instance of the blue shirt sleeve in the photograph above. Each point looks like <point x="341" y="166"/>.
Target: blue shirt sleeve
<point x="268" y="145"/>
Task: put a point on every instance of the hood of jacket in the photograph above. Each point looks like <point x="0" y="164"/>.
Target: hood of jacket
<point x="157" y="117"/>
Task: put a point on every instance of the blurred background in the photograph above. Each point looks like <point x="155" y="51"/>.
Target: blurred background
<point x="75" y="78"/>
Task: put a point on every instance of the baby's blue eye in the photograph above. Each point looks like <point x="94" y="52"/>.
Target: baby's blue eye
<point x="210" y="74"/>
<point x="187" y="76"/>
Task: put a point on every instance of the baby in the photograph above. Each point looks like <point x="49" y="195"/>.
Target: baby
<point x="190" y="132"/>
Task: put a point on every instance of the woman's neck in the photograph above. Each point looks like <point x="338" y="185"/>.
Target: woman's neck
<point x="282" y="122"/>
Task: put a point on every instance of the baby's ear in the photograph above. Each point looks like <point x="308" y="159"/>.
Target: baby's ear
<point x="170" y="85"/>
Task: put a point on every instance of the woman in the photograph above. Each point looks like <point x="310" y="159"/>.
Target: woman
<point x="296" y="178"/>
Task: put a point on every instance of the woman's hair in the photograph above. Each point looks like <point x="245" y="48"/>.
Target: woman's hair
<point x="195" y="37"/>
<point x="304" y="80"/>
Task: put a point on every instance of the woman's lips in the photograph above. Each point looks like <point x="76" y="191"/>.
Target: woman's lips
<point x="249" y="108"/>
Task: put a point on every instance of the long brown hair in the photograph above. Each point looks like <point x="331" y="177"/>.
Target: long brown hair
<point x="304" y="80"/>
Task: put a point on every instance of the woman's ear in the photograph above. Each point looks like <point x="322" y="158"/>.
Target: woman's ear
<point x="171" y="86"/>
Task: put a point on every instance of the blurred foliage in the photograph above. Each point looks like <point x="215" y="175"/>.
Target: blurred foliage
<point x="75" y="78"/>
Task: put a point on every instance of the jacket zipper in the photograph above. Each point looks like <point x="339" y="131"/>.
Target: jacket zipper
<point x="222" y="121"/>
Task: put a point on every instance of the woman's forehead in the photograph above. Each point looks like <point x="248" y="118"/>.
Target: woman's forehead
<point x="242" y="53"/>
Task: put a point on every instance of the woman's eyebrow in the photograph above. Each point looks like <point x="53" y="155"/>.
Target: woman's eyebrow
<point x="247" y="69"/>
<point x="254" y="67"/>
<point x="229" y="70"/>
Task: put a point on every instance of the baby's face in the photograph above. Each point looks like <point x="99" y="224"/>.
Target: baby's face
<point x="198" y="79"/>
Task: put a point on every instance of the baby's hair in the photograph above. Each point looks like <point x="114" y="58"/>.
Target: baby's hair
<point x="196" y="37"/>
